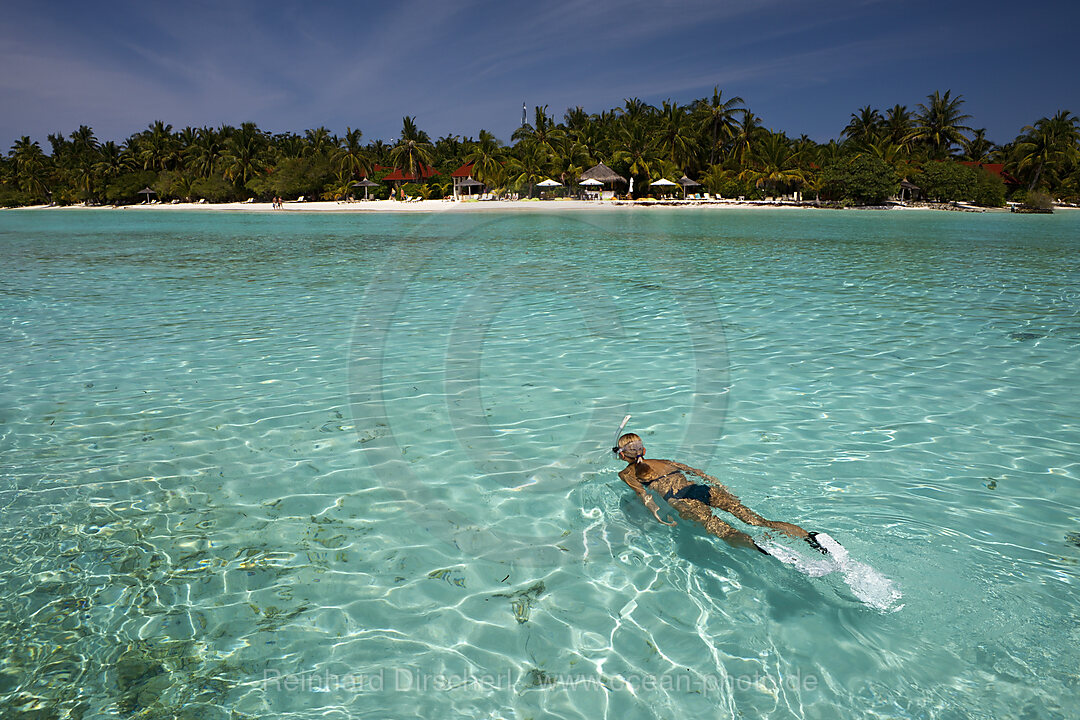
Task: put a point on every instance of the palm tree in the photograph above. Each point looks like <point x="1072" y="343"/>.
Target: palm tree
<point x="747" y="131"/>
<point x="157" y="146"/>
<point x="898" y="125"/>
<point x="1047" y="147"/>
<point x="380" y="152"/>
<point x="773" y="164"/>
<point x="83" y="140"/>
<point x="205" y="152"/>
<point x="530" y="166"/>
<point x="185" y="139"/>
<point x="319" y="142"/>
<point x="865" y="125"/>
<point x="978" y="148"/>
<point x="716" y="178"/>
<point x="111" y="162"/>
<point x="635" y="110"/>
<point x="414" y="151"/>
<point x="718" y="119"/>
<point x="570" y="161"/>
<point x="30" y="169"/>
<point x="676" y="138"/>
<point x="543" y="132"/>
<point x="637" y="150"/>
<point x="448" y="150"/>
<point x="351" y="158"/>
<point x="575" y="119"/>
<point x="244" y="155"/>
<point x="487" y="157"/>
<point x="289" y="146"/>
<point x="938" y="124"/>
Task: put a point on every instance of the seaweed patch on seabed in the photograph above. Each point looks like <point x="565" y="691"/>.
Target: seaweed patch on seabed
<point x="521" y="602"/>
<point x="55" y="639"/>
<point x="1073" y="538"/>
<point x="537" y="678"/>
<point x="450" y="575"/>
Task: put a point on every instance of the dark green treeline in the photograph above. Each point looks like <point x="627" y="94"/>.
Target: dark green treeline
<point x="715" y="140"/>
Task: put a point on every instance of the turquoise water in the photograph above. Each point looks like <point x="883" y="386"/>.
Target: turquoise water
<point x="328" y="467"/>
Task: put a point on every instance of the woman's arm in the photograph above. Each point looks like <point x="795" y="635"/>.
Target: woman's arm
<point x="627" y="476"/>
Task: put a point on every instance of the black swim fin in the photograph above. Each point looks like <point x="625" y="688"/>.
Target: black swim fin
<point x="811" y="539"/>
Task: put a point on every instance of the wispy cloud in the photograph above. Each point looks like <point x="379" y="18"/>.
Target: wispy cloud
<point x="462" y="65"/>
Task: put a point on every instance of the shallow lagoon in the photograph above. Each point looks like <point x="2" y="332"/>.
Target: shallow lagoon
<point x="319" y="467"/>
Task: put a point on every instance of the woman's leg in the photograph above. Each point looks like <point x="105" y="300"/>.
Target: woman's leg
<point x="724" y="500"/>
<point x="701" y="513"/>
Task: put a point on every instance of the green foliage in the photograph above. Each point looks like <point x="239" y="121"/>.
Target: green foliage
<point x="214" y="189"/>
<point x="1039" y="200"/>
<point x="125" y="188"/>
<point x="862" y="179"/>
<point x="173" y="184"/>
<point x="293" y="177"/>
<point x="13" y="197"/>
<point x="989" y="190"/>
<point x="945" y="181"/>
<point x="418" y="190"/>
<point x="727" y="184"/>
<point x="950" y="181"/>
<point x="717" y="140"/>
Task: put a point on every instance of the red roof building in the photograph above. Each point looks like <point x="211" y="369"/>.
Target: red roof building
<point x="994" y="169"/>
<point x="399" y="175"/>
<point x="464" y="171"/>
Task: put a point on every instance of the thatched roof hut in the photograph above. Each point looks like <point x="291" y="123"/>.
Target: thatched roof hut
<point x="604" y="174"/>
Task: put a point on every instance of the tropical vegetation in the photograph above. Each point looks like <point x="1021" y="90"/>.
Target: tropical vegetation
<point x="716" y="140"/>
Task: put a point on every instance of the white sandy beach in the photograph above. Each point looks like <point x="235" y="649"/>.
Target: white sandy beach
<point x="439" y="206"/>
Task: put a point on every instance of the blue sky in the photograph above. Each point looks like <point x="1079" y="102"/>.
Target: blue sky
<point x="803" y="66"/>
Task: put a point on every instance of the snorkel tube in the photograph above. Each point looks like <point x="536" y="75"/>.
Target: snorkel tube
<point x="615" y="445"/>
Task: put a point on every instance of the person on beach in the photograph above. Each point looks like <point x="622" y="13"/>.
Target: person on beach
<point x="693" y="500"/>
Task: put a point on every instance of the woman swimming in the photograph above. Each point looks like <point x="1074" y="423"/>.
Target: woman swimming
<point x="694" y="501"/>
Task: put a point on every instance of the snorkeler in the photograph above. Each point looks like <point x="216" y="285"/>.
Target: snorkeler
<point x="694" y="501"/>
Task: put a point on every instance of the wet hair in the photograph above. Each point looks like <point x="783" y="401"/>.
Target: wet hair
<point x="632" y="445"/>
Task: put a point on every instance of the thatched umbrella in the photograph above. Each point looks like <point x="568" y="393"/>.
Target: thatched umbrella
<point x="910" y="189"/>
<point x="603" y="173"/>
<point x="687" y="183"/>
<point x="366" y="184"/>
<point x="470" y="182"/>
<point x="147" y="192"/>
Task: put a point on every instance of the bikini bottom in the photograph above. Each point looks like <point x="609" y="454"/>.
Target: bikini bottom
<point x="690" y="492"/>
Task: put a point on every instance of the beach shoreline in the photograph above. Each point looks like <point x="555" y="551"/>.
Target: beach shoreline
<point x="440" y="206"/>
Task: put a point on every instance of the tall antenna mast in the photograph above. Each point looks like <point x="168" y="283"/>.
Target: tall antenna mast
<point x="524" y="115"/>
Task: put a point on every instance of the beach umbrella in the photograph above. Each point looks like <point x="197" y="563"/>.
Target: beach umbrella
<point x="366" y="184"/>
<point x="470" y="182"/>
<point x="631" y="184"/>
<point x="549" y="183"/>
<point x="147" y="192"/>
<point x="662" y="182"/>
<point x="687" y="183"/>
<point x="591" y="183"/>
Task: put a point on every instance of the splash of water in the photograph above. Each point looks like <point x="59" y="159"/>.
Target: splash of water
<point x="867" y="584"/>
